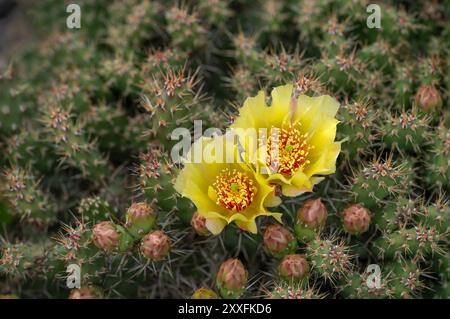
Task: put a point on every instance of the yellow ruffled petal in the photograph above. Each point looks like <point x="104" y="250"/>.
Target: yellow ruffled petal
<point x="198" y="181"/>
<point x="252" y="106"/>
<point x="323" y="136"/>
<point x="249" y="226"/>
<point x="280" y="108"/>
<point x="312" y="118"/>
<point x="311" y="110"/>
<point x="215" y="225"/>
<point x="298" y="184"/>
<point x="326" y="163"/>
<point x="272" y="200"/>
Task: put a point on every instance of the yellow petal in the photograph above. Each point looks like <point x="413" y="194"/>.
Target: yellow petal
<point x="310" y="110"/>
<point x="249" y="226"/>
<point x="212" y="194"/>
<point x="252" y="106"/>
<point x="280" y="108"/>
<point x="293" y="191"/>
<point x="215" y="225"/>
<point x="272" y="200"/>
<point x="326" y="163"/>
<point x="323" y="136"/>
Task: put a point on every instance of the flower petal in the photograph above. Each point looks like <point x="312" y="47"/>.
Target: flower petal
<point x="215" y="225"/>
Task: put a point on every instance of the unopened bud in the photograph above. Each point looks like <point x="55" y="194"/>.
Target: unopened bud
<point x="356" y="219"/>
<point x="105" y="236"/>
<point x="198" y="222"/>
<point x="231" y="278"/>
<point x="155" y="245"/>
<point x="293" y="267"/>
<point x="140" y="219"/>
<point x="428" y="98"/>
<point x="313" y="213"/>
<point x="278" y="241"/>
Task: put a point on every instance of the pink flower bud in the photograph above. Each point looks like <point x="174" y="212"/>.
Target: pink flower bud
<point x="140" y="219"/>
<point x="428" y="98"/>
<point x="278" y="239"/>
<point x="293" y="266"/>
<point x="313" y="213"/>
<point x="139" y="211"/>
<point x="231" y="278"/>
<point x="105" y="236"/>
<point x="198" y="222"/>
<point x="356" y="219"/>
<point x="155" y="245"/>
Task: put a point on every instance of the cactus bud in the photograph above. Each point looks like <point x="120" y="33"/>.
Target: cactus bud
<point x="278" y="241"/>
<point x="310" y="217"/>
<point x="140" y="219"/>
<point x="204" y="293"/>
<point x="313" y="213"/>
<point x="198" y="222"/>
<point x="356" y="219"/>
<point x="231" y="279"/>
<point x="293" y="267"/>
<point x="428" y="98"/>
<point x="105" y="236"/>
<point x="85" y="293"/>
<point x="155" y="245"/>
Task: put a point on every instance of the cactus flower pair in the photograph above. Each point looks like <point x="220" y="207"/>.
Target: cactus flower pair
<point x="302" y="149"/>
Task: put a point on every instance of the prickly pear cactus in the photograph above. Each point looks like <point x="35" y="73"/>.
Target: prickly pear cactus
<point x="342" y="192"/>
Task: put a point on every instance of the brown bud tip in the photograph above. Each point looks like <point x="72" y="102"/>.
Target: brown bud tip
<point x="277" y="238"/>
<point x="198" y="222"/>
<point x="204" y="293"/>
<point x="155" y="245"/>
<point x="313" y="213"/>
<point x="356" y="219"/>
<point x="139" y="211"/>
<point x="293" y="266"/>
<point x="232" y="275"/>
<point x="428" y="97"/>
<point x="84" y="293"/>
<point x="105" y="236"/>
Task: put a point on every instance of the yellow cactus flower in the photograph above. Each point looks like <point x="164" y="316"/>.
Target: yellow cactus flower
<point x="303" y="147"/>
<point x="222" y="186"/>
